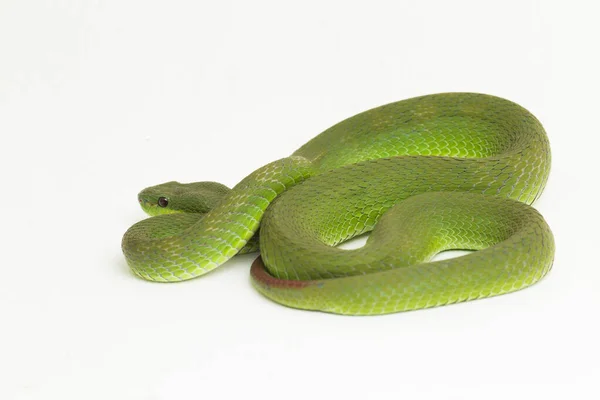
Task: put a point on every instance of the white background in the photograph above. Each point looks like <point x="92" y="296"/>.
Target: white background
<point x="99" y="99"/>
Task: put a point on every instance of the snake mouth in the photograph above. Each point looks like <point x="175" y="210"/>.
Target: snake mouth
<point x="149" y="207"/>
<point x="152" y="208"/>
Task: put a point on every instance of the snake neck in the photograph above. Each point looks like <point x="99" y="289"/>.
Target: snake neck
<point x="222" y="233"/>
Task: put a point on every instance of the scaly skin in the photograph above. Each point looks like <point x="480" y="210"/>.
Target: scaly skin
<point x="428" y="174"/>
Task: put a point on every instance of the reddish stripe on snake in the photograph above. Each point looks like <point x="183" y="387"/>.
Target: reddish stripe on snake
<point x="262" y="276"/>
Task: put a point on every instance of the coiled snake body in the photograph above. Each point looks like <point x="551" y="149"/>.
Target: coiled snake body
<point x="428" y="174"/>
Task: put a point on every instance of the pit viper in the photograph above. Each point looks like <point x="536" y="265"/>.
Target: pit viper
<point x="422" y="175"/>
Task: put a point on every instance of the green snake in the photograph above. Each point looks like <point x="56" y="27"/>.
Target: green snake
<point x="423" y="175"/>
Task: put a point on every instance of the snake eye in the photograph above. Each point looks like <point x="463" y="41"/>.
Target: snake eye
<point x="163" y="201"/>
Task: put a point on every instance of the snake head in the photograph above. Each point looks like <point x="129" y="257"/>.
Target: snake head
<point x="174" y="197"/>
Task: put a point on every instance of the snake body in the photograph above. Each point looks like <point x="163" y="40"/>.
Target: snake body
<point x="427" y="174"/>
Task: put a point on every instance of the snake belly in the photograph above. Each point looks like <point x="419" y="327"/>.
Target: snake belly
<point x="424" y="175"/>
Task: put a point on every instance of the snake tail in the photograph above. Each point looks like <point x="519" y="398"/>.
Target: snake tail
<point x="514" y="243"/>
